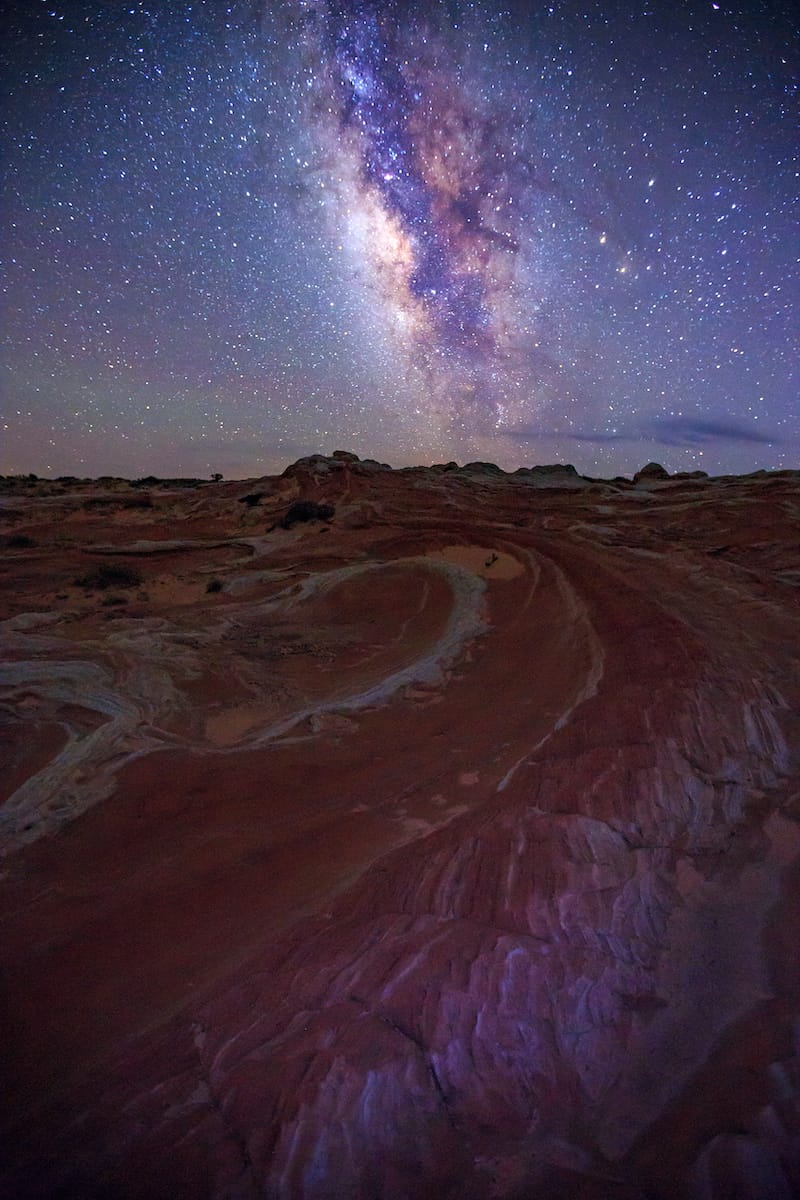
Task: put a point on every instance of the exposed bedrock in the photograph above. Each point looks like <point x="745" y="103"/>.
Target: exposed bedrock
<point x="503" y="903"/>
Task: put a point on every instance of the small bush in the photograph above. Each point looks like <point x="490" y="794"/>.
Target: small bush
<point x="306" y="510"/>
<point x="214" y="585"/>
<point x="20" y="541"/>
<point x="252" y="500"/>
<point x="109" y="575"/>
<point x="113" y="601"/>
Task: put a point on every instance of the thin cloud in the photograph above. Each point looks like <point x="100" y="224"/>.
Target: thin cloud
<point x="692" y="431"/>
<point x="666" y="431"/>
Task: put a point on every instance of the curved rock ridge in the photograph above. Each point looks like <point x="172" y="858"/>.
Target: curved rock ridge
<point x="140" y="707"/>
<point x="449" y="849"/>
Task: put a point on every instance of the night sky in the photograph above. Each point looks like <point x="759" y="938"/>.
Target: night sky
<point x="236" y="234"/>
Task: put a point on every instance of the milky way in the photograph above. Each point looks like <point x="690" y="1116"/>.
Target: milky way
<point x="432" y="166"/>
<point x="234" y="235"/>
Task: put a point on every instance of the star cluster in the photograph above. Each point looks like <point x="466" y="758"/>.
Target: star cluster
<point x="235" y="234"/>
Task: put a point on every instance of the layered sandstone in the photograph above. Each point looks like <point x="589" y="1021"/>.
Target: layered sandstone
<point x="444" y="847"/>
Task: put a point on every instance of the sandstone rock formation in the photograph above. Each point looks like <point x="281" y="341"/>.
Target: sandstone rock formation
<point x="651" y="471"/>
<point x="448" y="849"/>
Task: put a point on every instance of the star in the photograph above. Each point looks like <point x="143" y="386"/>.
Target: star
<point x="426" y="231"/>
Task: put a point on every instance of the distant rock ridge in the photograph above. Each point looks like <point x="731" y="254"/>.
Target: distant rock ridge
<point x="345" y="460"/>
<point x="482" y="468"/>
<point x="548" y="469"/>
<point x="317" y="466"/>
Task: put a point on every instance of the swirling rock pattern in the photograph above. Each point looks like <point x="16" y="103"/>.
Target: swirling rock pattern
<point x="447" y="848"/>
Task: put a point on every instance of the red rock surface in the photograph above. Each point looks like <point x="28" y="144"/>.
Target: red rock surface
<point x="451" y="849"/>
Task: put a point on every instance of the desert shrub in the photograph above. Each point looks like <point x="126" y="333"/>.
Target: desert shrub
<point x="20" y="541"/>
<point x="214" y="585"/>
<point x="306" y="510"/>
<point x="113" y="601"/>
<point x="152" y="481"/>
<point x="252" y="500"/>
<point x="109" y="575"/>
